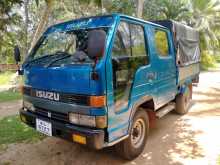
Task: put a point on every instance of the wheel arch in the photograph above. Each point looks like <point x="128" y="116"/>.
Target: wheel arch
<point x="146" y="103"/>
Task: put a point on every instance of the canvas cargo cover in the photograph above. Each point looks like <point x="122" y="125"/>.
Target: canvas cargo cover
<point x="186" y="40"/>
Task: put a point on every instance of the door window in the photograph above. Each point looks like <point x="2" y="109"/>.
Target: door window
<point x="128" y="54"/>
<point x="138" y="42"/>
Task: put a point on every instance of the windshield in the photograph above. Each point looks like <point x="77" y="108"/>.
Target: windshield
<point x="54" y="42"/>
<point x="63" y="47"/>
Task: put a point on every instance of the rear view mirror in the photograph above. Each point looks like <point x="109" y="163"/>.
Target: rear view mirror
<point x="96" y="43"/>
<point x="17" y="55"/>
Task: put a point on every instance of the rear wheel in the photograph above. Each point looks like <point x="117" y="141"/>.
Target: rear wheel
<point x="131" y="147"/>
<point x="183" y="101"/>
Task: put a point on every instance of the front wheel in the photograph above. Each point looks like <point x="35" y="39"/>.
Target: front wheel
<point x="131" y="147"/>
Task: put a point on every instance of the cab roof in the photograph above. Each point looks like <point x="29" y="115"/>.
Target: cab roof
<point x="115" y="16"/>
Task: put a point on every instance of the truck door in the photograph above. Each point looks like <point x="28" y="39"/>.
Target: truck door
<point x="164" y="65"/>
<point x="128" y="54"/>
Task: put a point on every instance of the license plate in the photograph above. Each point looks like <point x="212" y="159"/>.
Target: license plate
<point x="44" y="127"/>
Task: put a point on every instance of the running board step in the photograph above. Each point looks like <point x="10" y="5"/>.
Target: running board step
<point x="165" y="110"/>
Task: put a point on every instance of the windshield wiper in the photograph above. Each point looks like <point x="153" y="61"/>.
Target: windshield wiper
<point x="64" y="56"/>
<point x="38" y="59"/>
<point x="58" y="53"/>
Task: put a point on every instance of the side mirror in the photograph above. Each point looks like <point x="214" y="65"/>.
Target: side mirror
<point x="96" y="43"/>
<point x="17" y="55"/>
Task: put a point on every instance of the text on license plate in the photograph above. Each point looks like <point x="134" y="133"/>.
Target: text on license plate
<point x="44" y="127"/>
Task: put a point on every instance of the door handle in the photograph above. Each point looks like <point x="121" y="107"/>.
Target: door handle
<point x="151" y="76"/>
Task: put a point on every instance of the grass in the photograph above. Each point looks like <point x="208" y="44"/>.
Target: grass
<point x="9" y="96"/>
<point x="12" y="130"/>
<point x="5" y="77"/>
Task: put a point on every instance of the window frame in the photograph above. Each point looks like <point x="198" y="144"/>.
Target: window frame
<point x="168" y="43"/>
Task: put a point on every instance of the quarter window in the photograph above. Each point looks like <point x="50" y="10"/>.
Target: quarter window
<point x="161" y="43"/>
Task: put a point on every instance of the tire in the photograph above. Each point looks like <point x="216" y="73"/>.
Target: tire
<point x="183" y="101"/>
<point x="132" y="147"/>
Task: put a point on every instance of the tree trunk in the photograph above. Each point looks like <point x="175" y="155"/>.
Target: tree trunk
<point x="139" y="8"/>
<point x="102" y="7"/>
<point x="43" y="22"/>
<point x="26" y="2"/>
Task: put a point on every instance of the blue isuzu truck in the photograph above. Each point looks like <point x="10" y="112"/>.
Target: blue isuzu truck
<point x="102" y="81"/>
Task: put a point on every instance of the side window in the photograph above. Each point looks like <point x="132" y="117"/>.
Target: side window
<point x="138" y="50"/>
<point x="138" y="41"/>
<point x="128" y="54"/>
<point x="161" y="42"/>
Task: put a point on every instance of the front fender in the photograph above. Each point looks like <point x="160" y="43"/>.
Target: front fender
<point x="135" y="106"/>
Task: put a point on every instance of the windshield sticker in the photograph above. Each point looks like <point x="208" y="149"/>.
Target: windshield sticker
<point x="81" y="24"/>
<point x="78" y="25"/>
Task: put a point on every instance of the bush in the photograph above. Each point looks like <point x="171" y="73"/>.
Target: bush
<point x="5" y="77"/>
<point x="207" y="60"/>
<point x="217" y="58"/>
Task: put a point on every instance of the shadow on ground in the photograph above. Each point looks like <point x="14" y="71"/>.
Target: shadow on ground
<point x="172" y="136"/>
<point x="173" y="140"/>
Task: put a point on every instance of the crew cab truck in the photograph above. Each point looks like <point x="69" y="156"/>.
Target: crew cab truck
<point x="102" y="81"/>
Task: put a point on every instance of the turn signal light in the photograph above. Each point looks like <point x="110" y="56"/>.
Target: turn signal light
<point x="97" y="101"/>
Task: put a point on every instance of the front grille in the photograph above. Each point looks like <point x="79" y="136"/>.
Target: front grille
<point x="63" y="97"/>
<point x="54" y="115"/>
<point x="77" y="99"/>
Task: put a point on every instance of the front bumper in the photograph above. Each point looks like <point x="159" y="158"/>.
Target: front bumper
<point x="94" y="137"/>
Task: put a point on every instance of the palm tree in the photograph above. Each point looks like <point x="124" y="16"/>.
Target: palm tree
<point x="206" y="18"/>
<point x="174" y="9"/>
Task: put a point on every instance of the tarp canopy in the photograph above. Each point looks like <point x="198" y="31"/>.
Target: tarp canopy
<point x="186" y="40"/>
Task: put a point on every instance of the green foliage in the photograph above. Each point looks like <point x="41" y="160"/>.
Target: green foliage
<point x="217" y="58"/>
<point x="9" y="19"/>
<point x="10" y="96"/>
<point x="207" y="60"/>
<point x="201" y="14"/>
<point x="174" y="9"/>
<point x="12" y="130"/>
<point x="166" y="9"/>
<point x="205" y="18"/>
<point x="119" y="6"/>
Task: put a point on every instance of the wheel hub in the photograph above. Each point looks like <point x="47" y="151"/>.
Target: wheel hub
<point x="138" y="133"/>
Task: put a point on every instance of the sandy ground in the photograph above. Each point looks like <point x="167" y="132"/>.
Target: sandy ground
<point x="180" y="140"/>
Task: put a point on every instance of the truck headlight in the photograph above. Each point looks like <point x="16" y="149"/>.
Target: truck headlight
<point x="28" y="106"/>
<point x="85" y="120"/>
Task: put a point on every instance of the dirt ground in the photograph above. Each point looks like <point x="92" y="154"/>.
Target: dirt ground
<point x="9" y="108"/>
<point x="180" y="140"/>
